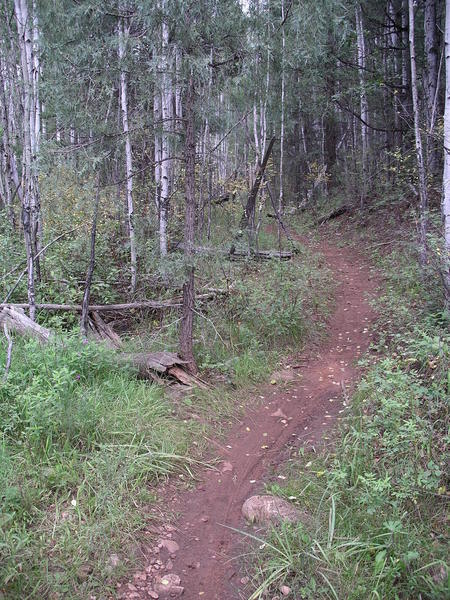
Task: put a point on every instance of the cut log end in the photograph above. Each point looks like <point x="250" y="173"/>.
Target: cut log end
<point x="163" y="366"/>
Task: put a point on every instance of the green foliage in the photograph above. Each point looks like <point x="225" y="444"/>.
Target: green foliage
<point x="81" y="439"/>
<point x="270" y="306"/>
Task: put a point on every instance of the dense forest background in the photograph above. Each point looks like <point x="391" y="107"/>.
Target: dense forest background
<point x="97" y="102"/>
<point x="167" y="169"/>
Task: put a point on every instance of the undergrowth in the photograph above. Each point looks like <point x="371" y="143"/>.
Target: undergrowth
<point x="81" y="440"/>
<point x="378" y="499"/>
<point x="84" y="442"/>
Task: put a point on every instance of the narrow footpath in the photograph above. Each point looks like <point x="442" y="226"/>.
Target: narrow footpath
<point x="310" y="392"/>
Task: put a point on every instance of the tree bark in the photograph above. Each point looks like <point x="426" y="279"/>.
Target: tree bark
<point x="186" y="350"/>
<point x="282" y="124"/>
<point x="431" y="80"/>
<point x="166" y="95"/>
<point x="30" y="201"/>
<point x="446" y="179"/>
<point x="423" y="194"/>
<point x="364" y="109"/>
<point x="91" y="266"/>
<point x="250" y="206"/>
<point x="124" y="30"/>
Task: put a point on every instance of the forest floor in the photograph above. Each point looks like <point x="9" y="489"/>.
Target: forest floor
<point x="199" y="549"/>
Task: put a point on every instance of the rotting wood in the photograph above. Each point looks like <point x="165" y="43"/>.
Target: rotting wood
<point x="157" y="365"/>
<point x="104" y="331"/>
<point x="147" y="304"/>
<point x="17" y="321"/>
<point x="235" y="254"/>
<point x="333" y="214"/>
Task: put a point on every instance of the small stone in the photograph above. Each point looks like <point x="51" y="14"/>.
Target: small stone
<point x="170" y="545"/>
<point x="245" y="580"/>
<point x="153" y="594"/>
<point x="227" y="467"/>
<point x="131" y="587"/>
<point x="169" y="565"/>
<point x="285" y="590"/>
<point x="279" y="414"/>
<point x="205" y="519"/>
<point x="168" y="586"/>
<point x="270" y="509"/>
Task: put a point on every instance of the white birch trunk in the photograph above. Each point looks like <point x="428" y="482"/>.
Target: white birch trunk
<point x="364" y="109"/>
<point x="123" y="38"/>
<point x="418" y="139"/>
<point x="165" y="141"/>
<point x="446" y="179"/>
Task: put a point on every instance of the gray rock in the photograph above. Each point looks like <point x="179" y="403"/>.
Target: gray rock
<point x="270" y="509"/>
<point x="168" y="586"/>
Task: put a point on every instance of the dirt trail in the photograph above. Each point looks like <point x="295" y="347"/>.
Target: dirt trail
<point x="311" y="397"/>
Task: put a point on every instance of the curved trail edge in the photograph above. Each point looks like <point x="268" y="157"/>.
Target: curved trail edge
<point x="311" y="397"/>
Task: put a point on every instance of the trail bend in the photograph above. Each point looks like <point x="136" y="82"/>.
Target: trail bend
<point x="311" y="396"/>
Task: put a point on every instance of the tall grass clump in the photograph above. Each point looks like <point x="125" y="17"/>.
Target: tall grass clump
<point x="271" y="307"/>
<point x="81" y="440"/>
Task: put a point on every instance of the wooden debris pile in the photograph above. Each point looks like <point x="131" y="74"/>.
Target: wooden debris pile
<point x="155" y="366"/>
<point x="158" y="366"/>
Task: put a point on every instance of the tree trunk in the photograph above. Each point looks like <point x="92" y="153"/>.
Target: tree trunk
<point x="91" y="266"/>
<point x="187" y="322"/>
<point x="431" y="80"/>
<point x="364" y="109"/>
<point x="446" y="181"/>
<point x="418" y="139"/>
<point x="124" y="29"/>
<point x="283" y="93"/>
<point x="30" y="203"/>
<point x="166" y="95"/>
<point x="250" y="206"/>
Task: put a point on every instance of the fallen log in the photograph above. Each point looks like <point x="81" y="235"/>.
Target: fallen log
<point x="147" y="304"/>
<point x="236" y="253"/>
<point x="17" y="321"/>
<point x="153" y="365"/>
<point x="333" y="214"/>
<point x="156" y="365"/>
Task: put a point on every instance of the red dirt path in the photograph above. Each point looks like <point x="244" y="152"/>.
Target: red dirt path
<point x="311" y="402"/>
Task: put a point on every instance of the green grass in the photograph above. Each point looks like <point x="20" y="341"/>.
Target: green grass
<point x="82" y="440"/>
<point x="378" y="498"/>
<point x="84" y="443"/>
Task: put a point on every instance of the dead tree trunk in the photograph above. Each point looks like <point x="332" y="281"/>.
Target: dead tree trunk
<point x="446" y="182"/>
<point x="423" y="195"/>
<point x="91" y="266"/>
<point x="187" y="320"/>
<point x="251" y="201"/>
